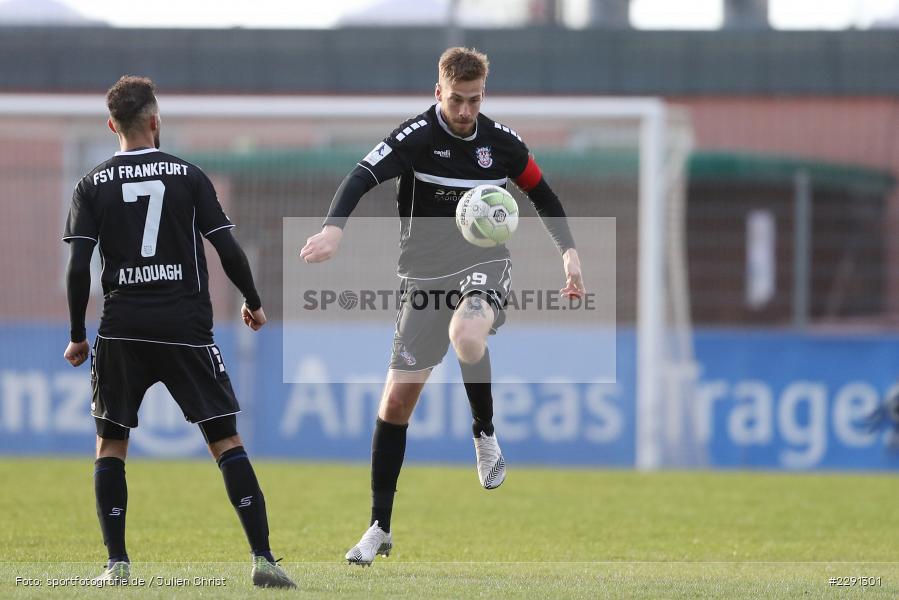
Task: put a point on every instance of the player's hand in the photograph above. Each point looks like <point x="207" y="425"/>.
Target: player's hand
<point x="574" y="282"/>
<point x="77" y="352"/>
<point x="323" y="245"/>
<point x="254" y="319"/>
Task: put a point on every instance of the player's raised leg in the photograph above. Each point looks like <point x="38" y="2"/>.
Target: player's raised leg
<point x="469" y="328"/>
<point x="477" y="380"/>
<point x="388" y="448"/>
<point x="246" y="496"/>
<point x="111" y="493"/>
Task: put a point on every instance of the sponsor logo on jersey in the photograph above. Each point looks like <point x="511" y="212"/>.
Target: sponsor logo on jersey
<point x="377" y="154"/>
<point x="442" y="153"/>
<point x="485" y="159"/>
<point x="444" y="195"/>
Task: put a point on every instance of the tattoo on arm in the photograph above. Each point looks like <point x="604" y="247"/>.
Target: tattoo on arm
<point x="473" y="308"/>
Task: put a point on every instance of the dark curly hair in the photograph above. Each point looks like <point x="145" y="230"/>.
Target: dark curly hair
<point x="130" y="101"/>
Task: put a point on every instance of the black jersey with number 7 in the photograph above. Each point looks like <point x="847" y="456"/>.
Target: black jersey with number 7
<point x="147" y="210"/>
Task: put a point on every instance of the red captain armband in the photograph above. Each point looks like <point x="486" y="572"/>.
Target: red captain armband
<point x="530" y="177"/>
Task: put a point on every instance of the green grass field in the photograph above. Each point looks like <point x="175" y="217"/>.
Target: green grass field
<point x="546" y="533"/>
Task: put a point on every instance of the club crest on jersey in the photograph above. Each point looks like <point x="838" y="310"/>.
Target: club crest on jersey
<point x="484" y="157"/>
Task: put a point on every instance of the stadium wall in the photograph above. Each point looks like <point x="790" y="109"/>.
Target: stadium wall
<point x="536" y="60"/>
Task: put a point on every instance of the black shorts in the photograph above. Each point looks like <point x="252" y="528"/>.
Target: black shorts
<point x="422" y="324"/>
<point x="123" y="370"/>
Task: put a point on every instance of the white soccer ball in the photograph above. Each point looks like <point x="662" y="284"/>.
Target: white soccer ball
<point x="487" y="216"/>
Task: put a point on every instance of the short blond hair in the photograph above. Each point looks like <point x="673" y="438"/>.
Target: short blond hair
<point x="462" y="64"/>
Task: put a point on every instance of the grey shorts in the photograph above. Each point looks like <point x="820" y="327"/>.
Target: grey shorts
<point x="422" y="323"/>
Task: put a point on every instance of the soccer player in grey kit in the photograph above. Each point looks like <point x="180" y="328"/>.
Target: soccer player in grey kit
<point x="437" y="156"/>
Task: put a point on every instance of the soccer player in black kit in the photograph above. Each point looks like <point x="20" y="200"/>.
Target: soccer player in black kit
<point x="437" y="156"/>
<point x="147" y="210"/>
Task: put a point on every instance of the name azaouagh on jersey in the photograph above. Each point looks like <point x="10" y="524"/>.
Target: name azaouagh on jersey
<point x="148" y="273"/>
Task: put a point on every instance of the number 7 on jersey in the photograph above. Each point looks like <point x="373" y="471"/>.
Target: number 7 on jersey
<point x="154" y="190"/>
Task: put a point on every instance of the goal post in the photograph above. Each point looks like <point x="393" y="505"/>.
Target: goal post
<point x="606" y="157"/>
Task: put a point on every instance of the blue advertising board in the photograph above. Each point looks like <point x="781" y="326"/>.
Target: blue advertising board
<point x="796" y="401"/>
<point x="764" y="399"/>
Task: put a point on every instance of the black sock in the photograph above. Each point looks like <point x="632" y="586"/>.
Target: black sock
<point x="476" y="377"/>
<point x="247" y="499"/>
<point x="388" y="447"/>
<point x="112" y="500"/>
